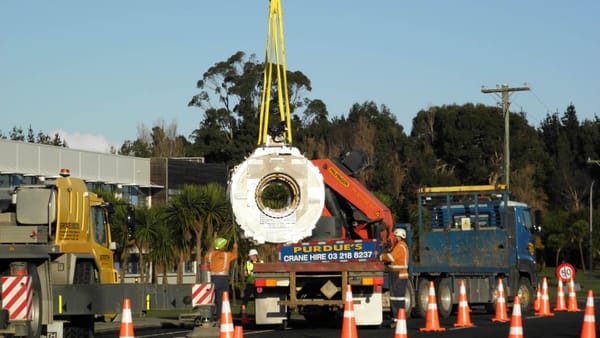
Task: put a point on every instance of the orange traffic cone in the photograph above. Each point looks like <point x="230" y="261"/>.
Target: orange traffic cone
<point x="516" y="322"/>
<point x="589" y="319"/>
<point x="545" y="301"/>
<point x="226" y="328"/>
<point x="538" y="297"/>
<point x="501" y="314"/>
<point x="238" y="331"/>
<point x="560" y="297"/>
<point x="464" y="316"/>
<point x="245" y="320"/>
<point x="572" y="307"/>
<point x="401" y="331"/>
<point x="432" y="321"/>
<point x="349" y="324"/>
<point x="126" y="330"/>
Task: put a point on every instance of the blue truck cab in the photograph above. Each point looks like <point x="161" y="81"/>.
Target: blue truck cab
<point x="475" y="234"/>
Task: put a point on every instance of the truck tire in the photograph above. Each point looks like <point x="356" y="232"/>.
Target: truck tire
<point x="409" y="301"/>
<point x="490" y="307"/>
<point x="84" y="273"/>
<point x="420" y="309"/>
<point x="82" y="326"/>
<point x="443" y="295"/>
<point x="36" y="301"/>
<point x="525" y="293"/>
<point x="79" y="327"/>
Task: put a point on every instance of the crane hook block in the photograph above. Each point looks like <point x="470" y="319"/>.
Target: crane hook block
<point x="277" y="195"/>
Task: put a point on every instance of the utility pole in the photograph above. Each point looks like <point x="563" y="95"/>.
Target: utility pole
<point x="505" y="90"/>
<point x="590" y="161"/>
<point x="591" y="222"/>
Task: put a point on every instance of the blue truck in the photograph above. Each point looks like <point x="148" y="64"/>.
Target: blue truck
<point x="475" y="234"/>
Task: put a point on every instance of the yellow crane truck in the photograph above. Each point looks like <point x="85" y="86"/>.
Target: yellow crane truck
<point x="56" y="262"/>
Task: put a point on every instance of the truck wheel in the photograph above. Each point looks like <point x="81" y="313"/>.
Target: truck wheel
<point x="525" y="293"/>
<point x="409" y="301"/>
<point x="82" y="326"/>
<point x="443" y="294"/>
<point x="420" y="309"/>
<point x="490" y="307"/>
<point x="84" y="273"/>
<point x="79" y="327"/>
<point x="36" y="301"/>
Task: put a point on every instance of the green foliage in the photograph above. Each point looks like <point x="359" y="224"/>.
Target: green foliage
<point x="17" y="134"/>
<point x="197" y="212"/>
<point x="160" y="141"/>
<point x="137" y="148"/>
<point x="230" y="96"/>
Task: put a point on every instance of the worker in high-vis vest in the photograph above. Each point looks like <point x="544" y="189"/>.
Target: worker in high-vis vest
<point x="220" y="261"/>
<point x="397" y="260"/>
<point x="249" y="275"/>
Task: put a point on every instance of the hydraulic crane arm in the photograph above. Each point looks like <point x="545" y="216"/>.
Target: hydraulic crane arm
<point x="364" y="215"/>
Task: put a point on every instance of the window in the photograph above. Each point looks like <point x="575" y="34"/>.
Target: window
<point x="484" y="220"/>
<point x="527" y="221"/>
<point x="99" y="225"/>
<point x="130" y="194"/>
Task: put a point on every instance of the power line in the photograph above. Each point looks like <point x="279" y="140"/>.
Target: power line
<point x="540" y="101"/>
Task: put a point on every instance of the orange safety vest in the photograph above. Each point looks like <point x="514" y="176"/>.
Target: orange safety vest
<point x="220" y="261"/>
<point x="398" y="259"/>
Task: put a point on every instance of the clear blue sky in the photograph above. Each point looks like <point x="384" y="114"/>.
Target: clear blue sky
<point x="97" y="70"/>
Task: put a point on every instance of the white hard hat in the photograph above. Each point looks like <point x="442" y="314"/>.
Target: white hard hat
<point x="400" y="232"/>
<point x="253" y="252"/>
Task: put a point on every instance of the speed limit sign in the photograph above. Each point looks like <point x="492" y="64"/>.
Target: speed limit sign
<point x="565" y="272"/>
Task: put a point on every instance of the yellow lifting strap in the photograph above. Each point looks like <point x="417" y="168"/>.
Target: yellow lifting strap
<point x="275" y="50"/>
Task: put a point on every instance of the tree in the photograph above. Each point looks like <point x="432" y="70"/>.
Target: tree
<point x="557" y="242"/>
<point x="147" y="222"/>
<point x="16" y="134"/>
<point x="163" y="246"/>
<point x="196" y="209"/>
<point x="425" y="168"/>
<point x="165" y="140"/>
<point x="466" y="142"/>
<point x="213" y="214"/>
<point x="566" y="171"/>
<point x="182" y="212"/>
<point x="42" y="138"/>
<point x="376" y="131"/>
<point x="30" y="135"/>
<point x="161" y="141"/>
<point x="524" y="188"/>
<point x="230" y="97"/>
<point x="57" y="141"/>
<point x="577" y="234"/>
<point x="136" y="148"/>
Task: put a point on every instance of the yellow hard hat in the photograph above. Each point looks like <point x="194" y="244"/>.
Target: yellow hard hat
<point x="220" y="243"/>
